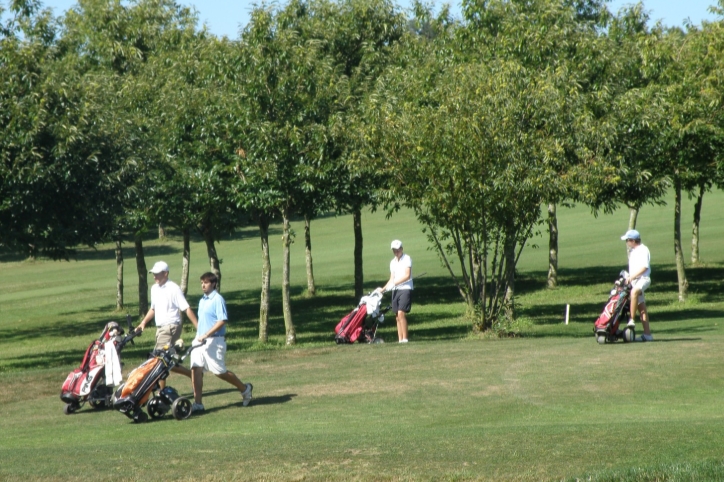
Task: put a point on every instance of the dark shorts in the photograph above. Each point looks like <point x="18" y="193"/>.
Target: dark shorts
<point x="401" y="300"/>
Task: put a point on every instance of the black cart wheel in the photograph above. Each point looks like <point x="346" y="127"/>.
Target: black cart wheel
<point x="156" y="408"/>
<point x="140" y="417"/>
<point x="70" y="408"/>
<point x="181" y="408"/>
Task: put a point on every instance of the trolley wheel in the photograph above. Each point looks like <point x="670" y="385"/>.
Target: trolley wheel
<point x="601" y="339"/>
<point x="140" y="417"/>
<point x="629" y="335"/>
<point x="377" y="340"/>
<point x="97" y="403"/>
<point x="156" y="408"/>
<point x="181" y="408"/>
<point x="70" y="408"/>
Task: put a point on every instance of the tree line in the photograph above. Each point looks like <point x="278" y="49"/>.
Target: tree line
<point x="118" y="117"/>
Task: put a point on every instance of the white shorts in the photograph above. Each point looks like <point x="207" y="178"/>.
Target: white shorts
<point x="642" y="284"/>
<point x="210" y="356"/>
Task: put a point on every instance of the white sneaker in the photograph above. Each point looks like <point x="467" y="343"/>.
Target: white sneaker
<point x="631" y="323"/>
<point x="246" y="394"/>
<point x="197" y="407"/>
<point x="404" y="340"/>
<point x="645" y="338"/>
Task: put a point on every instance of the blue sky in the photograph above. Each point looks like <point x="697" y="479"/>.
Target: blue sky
<point x="224" y="17"/>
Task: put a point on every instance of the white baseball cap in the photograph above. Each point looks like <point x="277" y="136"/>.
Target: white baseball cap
<point x="396" y="244"/>
<point x="159" y="267"/>
<point x="631" y="234"/>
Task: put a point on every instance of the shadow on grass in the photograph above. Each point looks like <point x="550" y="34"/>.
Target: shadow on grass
<point x="256" y="401"/>
<point x="59" y="358"/>
<point x="129" y="254"/>
<point x="706" y="281"/>
<point x="669" y="340"/>
<point x="555" y="314"/>
<point x="69" y="328"/>
<point x="316" y="317"/>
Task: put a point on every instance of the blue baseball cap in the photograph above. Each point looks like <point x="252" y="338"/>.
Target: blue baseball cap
<point x="631" y="234"/>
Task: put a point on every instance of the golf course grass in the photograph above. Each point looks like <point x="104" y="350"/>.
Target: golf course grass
<point x="547" y="404"/>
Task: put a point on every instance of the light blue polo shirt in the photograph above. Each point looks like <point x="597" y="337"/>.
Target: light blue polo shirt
<point x="212" y="308"/>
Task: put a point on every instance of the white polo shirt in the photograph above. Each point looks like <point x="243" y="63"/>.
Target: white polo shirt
<point x="399" y="268"/>
<point x="167" y="302"/>
<point x="639" y="258"/>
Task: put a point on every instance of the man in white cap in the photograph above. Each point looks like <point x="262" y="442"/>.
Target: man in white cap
<point x="401" y="285"/>
<point x="167" y="303"/>
<point x="639" y="272"/>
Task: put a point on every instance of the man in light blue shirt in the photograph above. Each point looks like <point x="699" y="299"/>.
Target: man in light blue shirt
<point x="211" y="329"/>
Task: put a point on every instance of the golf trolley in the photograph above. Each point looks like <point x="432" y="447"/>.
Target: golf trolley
<point x="140" y="388"/>
<point x="93" y="380"/>
<point x="362" y="322"/>
<point x="607" y="327"/>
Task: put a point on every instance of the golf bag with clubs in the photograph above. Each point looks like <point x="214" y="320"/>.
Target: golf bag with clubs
<point x="140" y="388"/>
<point x="607" y="327"/>
<point x="99" y="372"/>
<point x="362" y="322"/>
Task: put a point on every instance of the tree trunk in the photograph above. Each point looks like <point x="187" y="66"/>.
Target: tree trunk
<point x="186" y="261"/>
<point x="211" y="252"/>
<point x="119" y="275"/>
<point x="311" y="289"/>
<point x="358" y="273"/>
<point x="680" y="270"/>
<point x="552" y="246"/>
<point x="286" y="298"/>
<point x="509" y="253"/>
<point x="265" y="279"/>
<point x="161" y="231"/>
<point x="142" y="277"/>
<point x="632" y="217"/>
<point x="695" y="230"/>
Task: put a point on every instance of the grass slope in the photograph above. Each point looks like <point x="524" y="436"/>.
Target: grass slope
<point x="552" y="405"/>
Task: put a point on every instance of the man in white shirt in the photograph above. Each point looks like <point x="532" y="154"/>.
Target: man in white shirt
<point x="401" y="285"/>
<point x="639" y="272"/>
<point x="167" y="303"/>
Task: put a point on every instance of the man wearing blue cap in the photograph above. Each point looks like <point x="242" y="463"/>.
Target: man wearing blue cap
<point x="639" y="272"/>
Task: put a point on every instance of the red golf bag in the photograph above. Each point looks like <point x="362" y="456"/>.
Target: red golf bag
<point x="87" y="383"/>
<point x="607" y="327"/>
<point x="356" y="326"/>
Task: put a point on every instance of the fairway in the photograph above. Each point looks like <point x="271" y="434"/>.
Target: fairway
<point x="548" y="405"/>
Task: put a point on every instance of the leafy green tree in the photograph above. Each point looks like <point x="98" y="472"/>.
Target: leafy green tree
<point x="622" y="140"/>
<point x="283" y="102"/>
<point x="195" y="141"/>
<point x="58" y="174"/>
<point x="488" y="122"/>
<point x="692" y="136"/>
<point x="702" y="56"/>
<point x="361" y="38"/>
<point x="474" y="148"/>
<point x="116" y="41"/>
